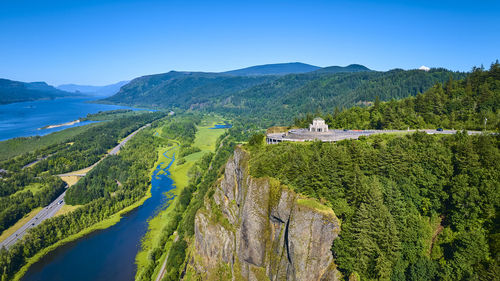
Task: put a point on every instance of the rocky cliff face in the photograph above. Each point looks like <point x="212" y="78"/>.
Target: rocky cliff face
<point x="257" y="229"/>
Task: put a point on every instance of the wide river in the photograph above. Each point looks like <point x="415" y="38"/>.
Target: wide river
<point x="24" y="119"/>
<point x="107" y="254"/>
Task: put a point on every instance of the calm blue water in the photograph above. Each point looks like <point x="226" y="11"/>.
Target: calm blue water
<point x="222" y="126"/>
<point x="23" y="119"/>
<point x="108" y="254"/>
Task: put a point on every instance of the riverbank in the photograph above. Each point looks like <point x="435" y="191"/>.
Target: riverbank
<point x="106" y="223"/>
<point x="112" y="220"/>
<point x="206" y="138"/>
<point x="26" y="118"/>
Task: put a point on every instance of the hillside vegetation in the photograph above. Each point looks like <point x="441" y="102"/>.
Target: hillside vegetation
<point x="418" y="207"/>
<point x="276" y="99"/>
<point x="472" y="103"/>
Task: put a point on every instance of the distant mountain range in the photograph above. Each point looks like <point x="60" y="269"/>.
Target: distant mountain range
<point x="98" y="91"/>
<point x="279" y="91"/>
<point x="271" y="91"/>
<point x="15" y="91"/>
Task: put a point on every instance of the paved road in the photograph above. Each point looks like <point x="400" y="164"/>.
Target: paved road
<point x="36" y="161"/>
<point x="113" y="151"/>
<point x="47" y="212"/>
<point x="50" y="210"/>
<point x="117" y="148"/>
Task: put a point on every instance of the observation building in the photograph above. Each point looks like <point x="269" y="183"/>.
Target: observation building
<point x="318" y="131"/>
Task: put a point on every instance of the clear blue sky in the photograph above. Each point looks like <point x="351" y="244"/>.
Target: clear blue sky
<point x="104" y="41"/>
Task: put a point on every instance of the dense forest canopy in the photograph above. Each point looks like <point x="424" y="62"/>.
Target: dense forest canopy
<point x="418" y="207"/>
<point x="472" y="103"/>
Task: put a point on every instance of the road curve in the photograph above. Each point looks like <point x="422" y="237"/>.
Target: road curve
<point x="50" y="210"/>
<point x="300" y="135"/>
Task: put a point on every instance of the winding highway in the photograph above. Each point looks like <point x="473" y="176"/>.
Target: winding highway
<point x="46" y="213"/>
<point x="50" y="210"/>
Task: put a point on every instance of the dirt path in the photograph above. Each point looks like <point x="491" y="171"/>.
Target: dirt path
<point x="435" y="235"/>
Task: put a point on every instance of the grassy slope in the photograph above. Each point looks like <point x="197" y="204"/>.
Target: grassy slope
<point x="205" y="140"/>
<point x="66" y="209"/>
<point x="8" y="232"/>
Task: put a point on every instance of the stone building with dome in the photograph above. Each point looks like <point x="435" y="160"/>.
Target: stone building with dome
<point x="317" y="131"/>
<point x="318" y="125"/>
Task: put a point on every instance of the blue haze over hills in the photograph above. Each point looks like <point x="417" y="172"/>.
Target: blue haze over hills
<point x="98" y="91"/>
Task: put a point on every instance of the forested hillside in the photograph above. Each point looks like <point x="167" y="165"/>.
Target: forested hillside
<point x="276" y="99"/>
<point x="472" y="103"/>
<point x="15" y="91"/>
<point x="284" y="99"/>
<point x="417" y="207"/>
<point x="183" y="89"/>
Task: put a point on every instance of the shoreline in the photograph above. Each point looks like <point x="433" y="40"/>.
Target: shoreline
<point x="146" y="240"/>
<point x="60" y="125"/>
<point x="106" y="223"/>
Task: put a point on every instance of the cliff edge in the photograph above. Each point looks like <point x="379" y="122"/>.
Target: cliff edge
<point x="257" y="229"/>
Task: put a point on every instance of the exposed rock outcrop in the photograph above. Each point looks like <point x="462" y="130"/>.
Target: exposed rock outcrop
<point x="257" y="229"/>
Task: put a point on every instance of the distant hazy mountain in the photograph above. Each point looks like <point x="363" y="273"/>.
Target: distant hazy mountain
<point x="15" y="91"/>
<point x="349" y="68"/>
<point x="274" y="69"/>
<point x="99" y="91"/>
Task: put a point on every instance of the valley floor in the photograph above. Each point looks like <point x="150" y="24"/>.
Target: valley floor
<point x="205" y="140"/>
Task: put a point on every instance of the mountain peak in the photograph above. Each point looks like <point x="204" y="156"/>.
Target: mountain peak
<point x="274" y="69"/>
<point x="349" y="68"/>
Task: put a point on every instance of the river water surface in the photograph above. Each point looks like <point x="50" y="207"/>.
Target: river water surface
<point x="22" y="119"/>
<point x="107" y="254"/>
